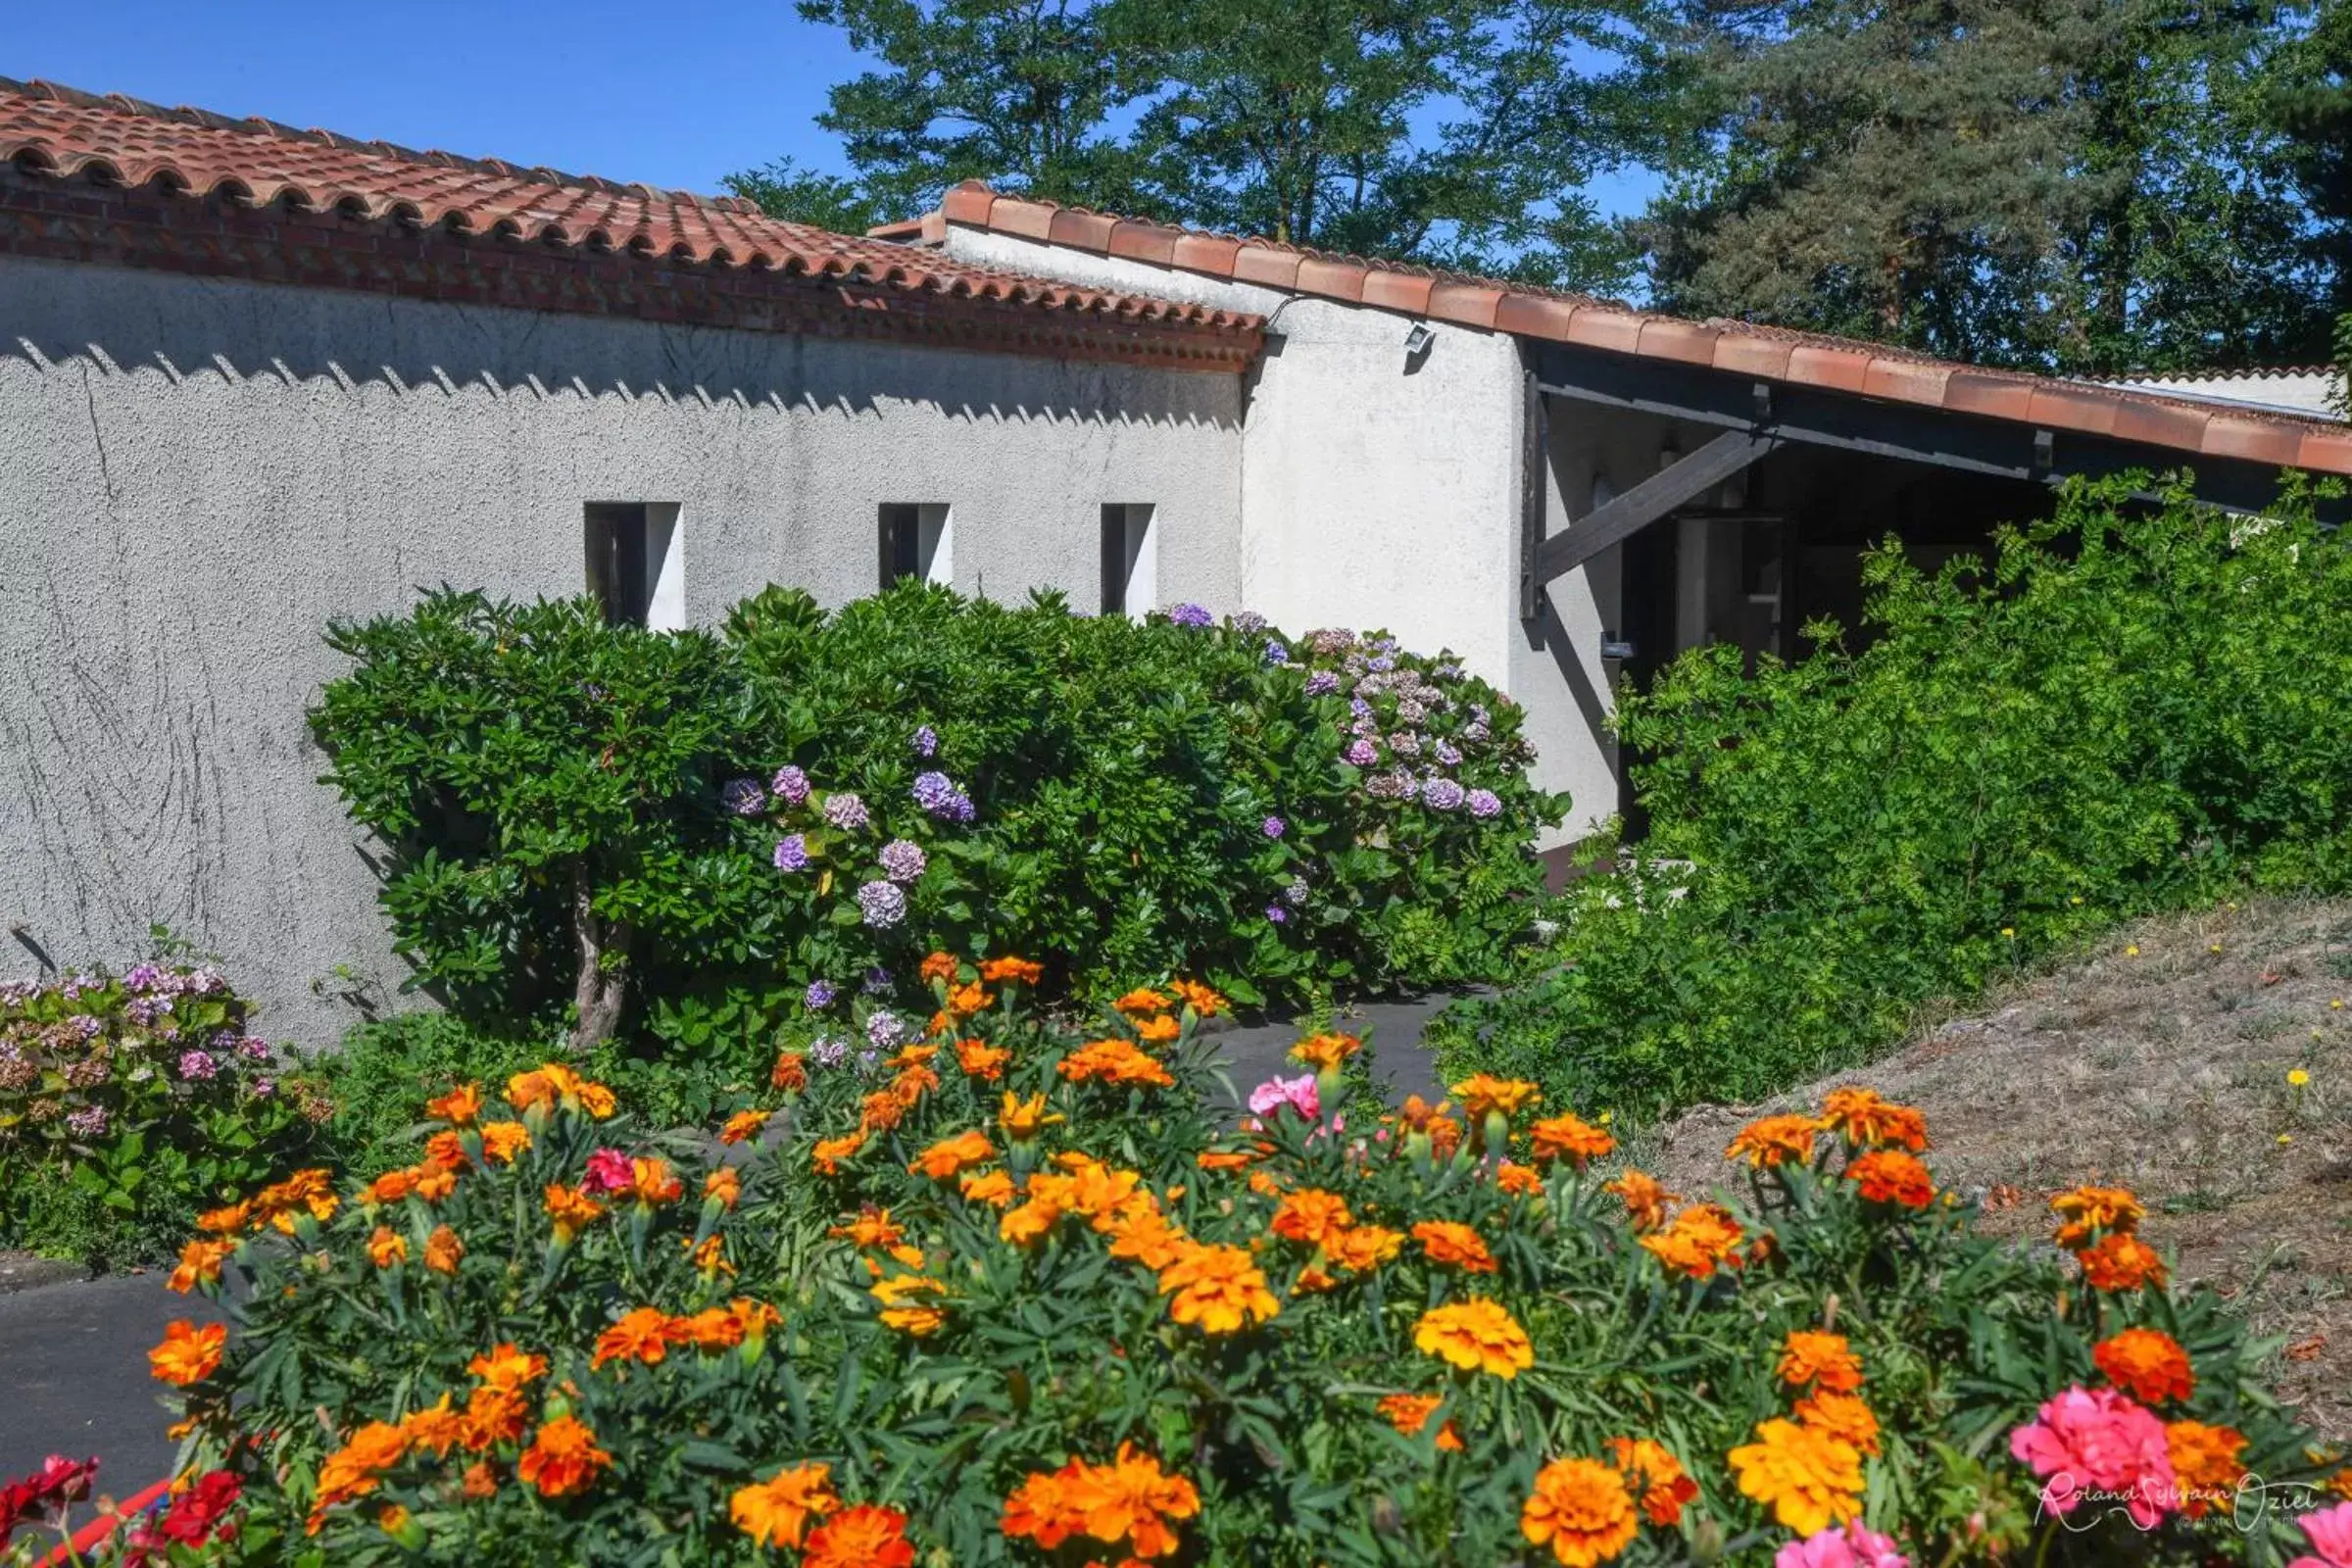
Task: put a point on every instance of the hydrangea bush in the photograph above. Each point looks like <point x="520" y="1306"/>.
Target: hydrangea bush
<point x="127" y="1102"/>
<point x="1005" y="1296"/>
<point x="679" y="834"/>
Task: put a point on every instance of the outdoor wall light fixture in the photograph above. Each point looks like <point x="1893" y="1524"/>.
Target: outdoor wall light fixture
<point x="1417" y="340"/>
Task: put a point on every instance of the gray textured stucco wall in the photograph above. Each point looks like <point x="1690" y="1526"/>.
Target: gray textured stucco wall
<point x="195" y="475"/>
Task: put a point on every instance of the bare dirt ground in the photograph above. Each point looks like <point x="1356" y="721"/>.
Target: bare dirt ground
<point x="2161" y="1064"/>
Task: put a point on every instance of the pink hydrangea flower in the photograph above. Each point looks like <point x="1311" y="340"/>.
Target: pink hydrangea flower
<point x="2098" y="1442"/>
<point x="1297" y="1092"/>
<point x="609" y="1171"/>
<point x="1851" y="1546"/>
<point x="2331" y="1533"/>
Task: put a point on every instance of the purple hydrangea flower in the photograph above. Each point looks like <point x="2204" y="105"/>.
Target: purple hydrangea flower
<point x="1383" y="663"/>
<point x="1394" y="785"/>
<point x="1322" y="683"/>
<point x="882" y="904"/>
<point x="1277" y="914"/>
<point x="197" y="1066"/>
<point x="1190" y="615"/>
<point x="790" y="785"/>
<point x="263" y="1088"/>
<point x="145" y="977"/>
<point x="924" y="741"/>
<point x="903" y="860"/>
<point x="1404" y="743"/>
<point x="792" y="853"/>
<point x="1360" y="753"/>
<point x="89" y="1027"/>
<point x="829" y="1051"/>
<point x="87" y="1074"/>
<point x="1485" y="803"/>
<point x="87" y="1122"/>
<point x="846" y="811"/>
<point x="743" y="797"/>
<point x="1410" y="711"/>
<point x="1248" y="622"/>
<point x="818" y="997"/>
<point x="1447" y="672"/>
<point x="1441" y="793"/>
<point x="938" y="795"/>
<point x="1296" y="893"/>
<point x="877" y="982"/>
<point x="1275" y="827"/>
<point x="884" y="1030"/>
<point x="1448" y="755"/>
<point x="1359" y="708"/>
<point x="1276" y="653"/>
<point x="254" y="1048"/>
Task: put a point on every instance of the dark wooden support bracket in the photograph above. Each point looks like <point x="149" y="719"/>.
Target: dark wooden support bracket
<point x="1653" y="497"/>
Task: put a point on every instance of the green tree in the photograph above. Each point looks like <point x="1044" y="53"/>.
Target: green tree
<point x="2081" y="185"/>
<point x="784" y="189"/>
<point x="2310" y="99"/>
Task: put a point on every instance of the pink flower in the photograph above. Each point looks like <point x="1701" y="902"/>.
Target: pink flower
<point x="1297" y="1092"/>
<point x="609" y="1171"/>
<point x="1849" y="1548"/>
<point x="2330" y="1532"/>
<point x="2087" y="1441"/>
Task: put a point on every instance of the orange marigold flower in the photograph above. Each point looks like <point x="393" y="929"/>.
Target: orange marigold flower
<point x="1654" y="1477"/>
<point x="982" y="1061"/>
<point x="1200" y="998"/>
<point x="776" y="1512"/>
<point x="200" y="1264"/>
<point x="480" y="1482"/>
<point x="436" y="1428"/>
<point x="460" y="1105"/>
<point x="506" y="1366"/>
<point x="1773" y="1140"/>
<point x="1645" y="1198"/>
<point x="1457" y="1244"/>
<point x="708" y="1255"/>
<point x="571" y="1210"/>
<point x="1142" y="1002"/>
<point x="2208" y="1465"/>
<point x="1517" y="1180"/>
<point x="1224" y="1158"/>
<point x="1326" y="1053"/>
<point x="433" y="1182"/>
<point x="387" y="1247"/>
<point x="352" y="1470"/>
<point x="1702" y="1239"/>
<point x="1130" y="1500"/>
<point x="446" y="1151"/>
<point x="1361" y="1248"/>
<point x="1823" y="1361"/>
<point x="742" y="1126"/>
<point x="1310" y="1215"/>
<point x="1582" y="1510"/>
<point x="829" y="1152"/>
<point x="1114" y="1062"/>
<point x="2121" y="1262"/>
<point x="1843" y="1416"/>
<point x="873" y="1228"/>
<point x="1157" y="1031"/>
<point x="443" y="1250"/>
<point x="187" y="1353"/>
<point x="1478" y="1335"/>
<point x="939" y="968"/>
<point x="1869" y="1122"/>
<point x="307" y="1190"/>
<point x="863" y="1537"/>
<point x="1891" y="1176"/>
<point x="563" y="1458"/>
<point x="1481" y="1093"/>
<point x="714" y="1327"/>
<point x="493" y="1415"/>
<point x="2148" y="1364"/>
<point x="2090" y="1211"/>
<point x="966" y="1000"/>
<point x="1808" y="1479"/>
<point x="501" y="1141"/>
<point x="641" y="1334"/>
<point x="950" y="1156"/>
<point x="789" y="1072"/>
<point x="1409" y="1414"/>
<point x="723" y="1186"/>
<point x="1570" y="1137"/>
<point x="226" y="1221"/>
<point x="1221" y="1289"/>
<point x="1040" y="1509"/>
<point x="993" y="1188"/>
<point x="1019" y="971"/>
<point x="1141" y="1234"/>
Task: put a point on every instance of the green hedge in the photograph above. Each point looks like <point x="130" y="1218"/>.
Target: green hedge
<point x="588" y="823"/>
<point x="2131" y="706"/>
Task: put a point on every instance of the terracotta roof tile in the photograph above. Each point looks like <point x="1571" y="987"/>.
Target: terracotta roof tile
<point x="1778" y="354"/>
<point x="53" y="130"/>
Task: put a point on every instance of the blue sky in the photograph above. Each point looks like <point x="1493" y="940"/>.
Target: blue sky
<point x="678" y="94"/>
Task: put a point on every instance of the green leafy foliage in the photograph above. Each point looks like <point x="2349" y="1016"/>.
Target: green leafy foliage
<point x="670" y="835"/>
<point x="2128" y="711"/>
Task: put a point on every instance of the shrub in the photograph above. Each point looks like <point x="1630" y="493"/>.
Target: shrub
<point x="717" y="831"/>
<point x="2133" y="709"/>
<point x="1012" y="1296"/>
<point x="128" y="1103"/>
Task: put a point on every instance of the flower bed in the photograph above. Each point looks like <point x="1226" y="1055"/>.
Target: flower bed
<point x="1007" y="1296"/>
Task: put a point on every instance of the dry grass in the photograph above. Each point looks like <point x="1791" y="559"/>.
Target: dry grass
<point x="2159" y="1063"/>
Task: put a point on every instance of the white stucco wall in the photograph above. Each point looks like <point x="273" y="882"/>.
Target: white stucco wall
<point x="197" y="475"/>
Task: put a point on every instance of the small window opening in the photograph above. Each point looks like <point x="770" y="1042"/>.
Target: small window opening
<point x="637" y="563"/>
<point x="917" y="540"/>
<point x="1130" y="559"/>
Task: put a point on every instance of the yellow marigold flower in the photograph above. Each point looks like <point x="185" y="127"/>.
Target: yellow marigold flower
<point x="2121" y="1262"/>
<point x="1140" y="1003"/>
<point x="501" y="1141"/>
<point x="1361" y="1248"/>
<point x="902" y="1307"/>
<point x="387" y="1247"/>
<point x="1455" y="1245"/>
<point x="571" y="1210"/>
<point x="1570" y="1137"/>
<point x="461" y="1105"/>
<point x="1221" y="1289"/>
<point x="563" y="1458"/>
<point x="1654" y="1477"/>
<point x="1018" y="972"/>
<point x="187" y="1353"/>
<point x="1478" y="1335"/>
<point x="1808" y="1479"/>
<point x="2148" y="1364"/>
<point x="1843" y="1416"/>
<point x="776" y="1512"/>
<point x="1310" y="1215"/>
<point x="708" y="1255"/>
<point x="982" y="1061"/>
<point x="1114" y="1062"/>
<point x="505" y="1366"/>
<point x="641" y="1334"/>
<point x="1481" y="1093"/>
<point x="1893" y="1176"/>
<point x="1825" y="1360"/>
<point x="1702" y="1239"/>
<point x="945" y="1159"/>
<point x="742" y="1126"/>
<point x="1409" y="1414"/>
<point x="1772" y="1140"/>
<point x="2208" y="1464"/>
<point x="1326" y="1053"/>
<point x="1157" y="1031"/>
<point x="2088" y="1210"/>
<point x="829" y="1152"/>
<point x="200" y="1264"/>
<point x="1023" y="1119"/>
<point x="1582" y="1510"/>
<point x="1645" y="1198"/>
<point x="1867" y="1122"/>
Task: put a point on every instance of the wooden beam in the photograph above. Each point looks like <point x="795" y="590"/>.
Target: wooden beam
<point x="1534" y="470"/>
<point x="1653" y="497"/>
